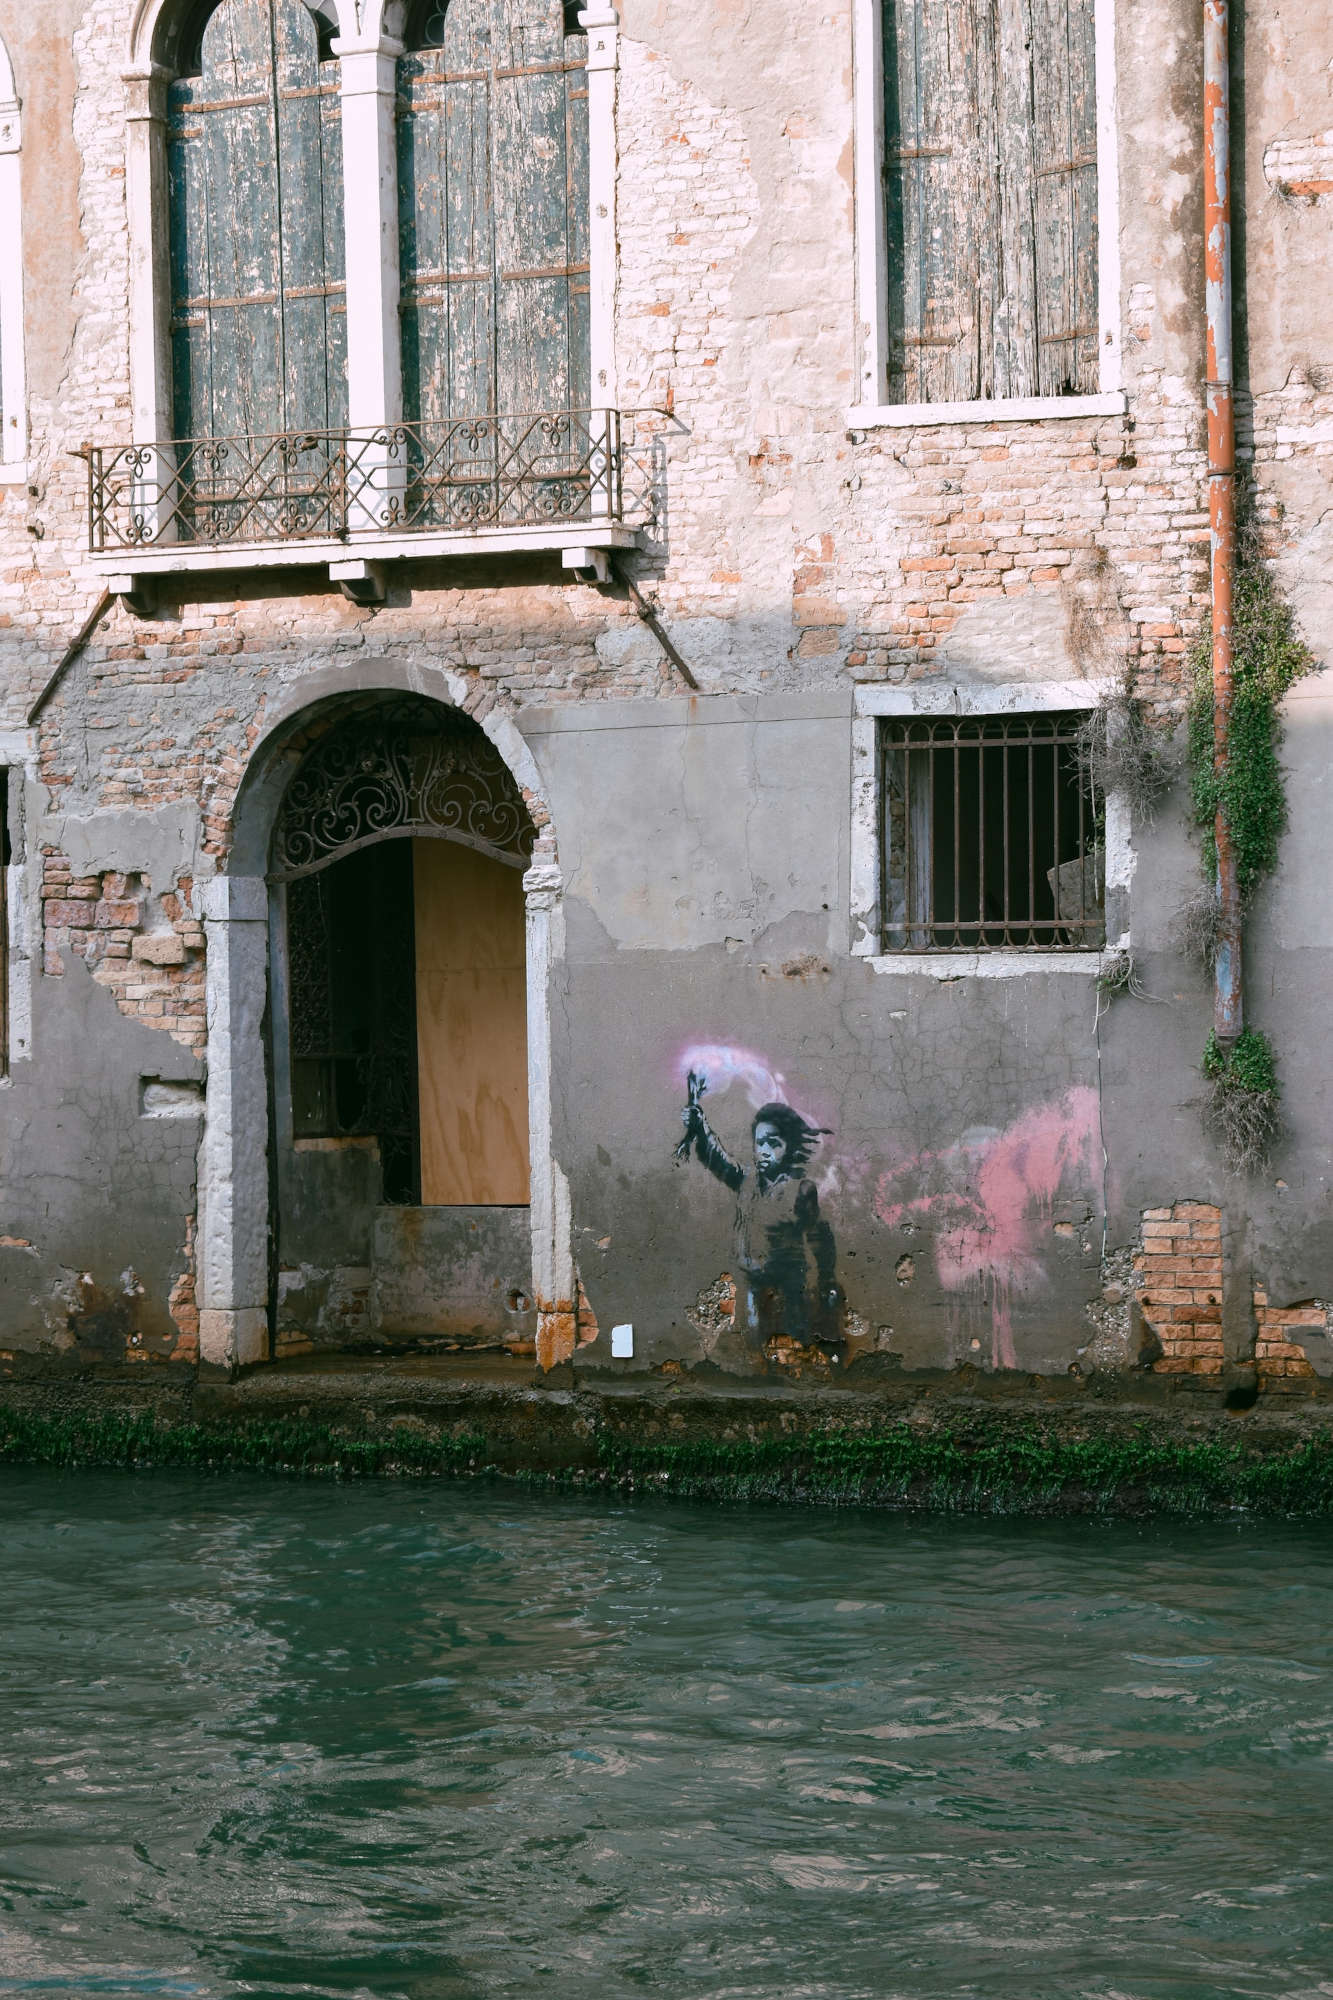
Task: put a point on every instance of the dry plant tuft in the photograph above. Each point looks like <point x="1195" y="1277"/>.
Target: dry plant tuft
<point x="1123" y="751"/>
<point x="1245" y="1124"/>
<point x="1196" y="927"/>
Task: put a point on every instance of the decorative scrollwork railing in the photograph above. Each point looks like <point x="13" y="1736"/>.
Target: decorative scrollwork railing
<point x="461" y="475"/>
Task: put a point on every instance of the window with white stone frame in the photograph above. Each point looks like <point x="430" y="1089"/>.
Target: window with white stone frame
<point x="986" y="185"/>
<point x="400" y="342"/>
<point x="978" y="841"/>
<point x="13" y="392"/>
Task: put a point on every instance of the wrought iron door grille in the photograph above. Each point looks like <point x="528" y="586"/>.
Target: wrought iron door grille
<point x="352" y="971"/>
<point x="462" y="475"/>
<point x="990" y="835"/>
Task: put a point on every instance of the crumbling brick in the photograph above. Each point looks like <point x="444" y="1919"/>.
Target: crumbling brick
<point x="1178" y="1277"/>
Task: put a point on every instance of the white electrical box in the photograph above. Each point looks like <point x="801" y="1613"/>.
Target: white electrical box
<point x="622" y="1343"/>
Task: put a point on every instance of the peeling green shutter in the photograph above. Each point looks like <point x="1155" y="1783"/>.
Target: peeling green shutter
<point x="493" y="198"/>
<point x="259" y="337"/>
<point x="1065" y="201"/>
<point x="990" y="184"/>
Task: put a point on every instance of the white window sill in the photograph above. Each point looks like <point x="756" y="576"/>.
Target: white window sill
<point x="1011" y="410"/>
<point x="950" y="965"/>
<point x="14" y="472"/>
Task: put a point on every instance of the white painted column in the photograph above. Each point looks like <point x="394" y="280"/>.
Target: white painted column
<point x="369" y="65"/>
<point x="233" y="1153"/>
<point x="13" y="389"/>
<point x="602" y="26"/>
<point x="872" y="302"/>
<point x="146" y="197"/>
<point x="553" y="1283"/>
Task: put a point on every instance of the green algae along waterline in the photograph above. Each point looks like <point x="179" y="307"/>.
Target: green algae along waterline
<point x="1169" y="1453"/>
<point x="392" y="1741"/>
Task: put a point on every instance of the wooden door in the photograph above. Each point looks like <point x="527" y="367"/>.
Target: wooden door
<point x="493" y="212"/>
<point x="259" y="327"/>
<point x="472" y="1035"/>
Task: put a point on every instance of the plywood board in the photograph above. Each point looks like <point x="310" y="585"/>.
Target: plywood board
<point x="472" y="1035"/>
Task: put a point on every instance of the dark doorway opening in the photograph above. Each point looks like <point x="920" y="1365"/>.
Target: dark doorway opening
<point x="352" y="967"/>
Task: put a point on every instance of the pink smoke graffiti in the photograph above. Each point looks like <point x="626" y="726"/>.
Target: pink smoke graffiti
<point x="983" y="1201"/>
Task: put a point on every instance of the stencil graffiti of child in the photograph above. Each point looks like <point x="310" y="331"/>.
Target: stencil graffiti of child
<point x="783" y="1245"/>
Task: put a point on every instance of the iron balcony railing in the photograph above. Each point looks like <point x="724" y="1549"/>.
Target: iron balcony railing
<point x="460" y="475"/>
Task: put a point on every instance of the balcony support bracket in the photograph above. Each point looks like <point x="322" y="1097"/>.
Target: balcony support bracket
<point x="360" y="581"/>
<point x="589" y="565"/>
<point x="134" y="592"/>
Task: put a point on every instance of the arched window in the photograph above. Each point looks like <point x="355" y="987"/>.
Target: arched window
<point x="464" y="381"/>
<point x="13" y="397"/>
<point x="493" y="209"/>
<point x="258" y="298"/>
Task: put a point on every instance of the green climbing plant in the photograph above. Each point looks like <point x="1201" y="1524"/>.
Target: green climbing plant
<point x="1250" y="796"/>
<point x="1270" y="657"/>
<point x="1243" y="1099"/>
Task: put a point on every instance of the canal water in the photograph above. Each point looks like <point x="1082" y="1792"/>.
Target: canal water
<point x="275" y="1738"/>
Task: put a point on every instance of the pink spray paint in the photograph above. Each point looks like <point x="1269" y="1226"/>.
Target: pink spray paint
<point x="984" y="1200"/>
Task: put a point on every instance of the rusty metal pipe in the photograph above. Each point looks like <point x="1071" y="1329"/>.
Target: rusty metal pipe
<point x="1228" y="989"/>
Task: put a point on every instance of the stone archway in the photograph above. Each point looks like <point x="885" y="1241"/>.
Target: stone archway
<point x="238" y="1272"/>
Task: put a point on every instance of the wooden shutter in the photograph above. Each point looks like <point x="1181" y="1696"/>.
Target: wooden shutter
<point x="258" y="300"/>
<point x="1065" y="195"/>
<point x="493" y="200"/>
<point x="930" y="154"/>
<point x="990" y="180"/>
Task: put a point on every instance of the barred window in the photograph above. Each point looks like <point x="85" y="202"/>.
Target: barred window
<point x="991" y="835"/>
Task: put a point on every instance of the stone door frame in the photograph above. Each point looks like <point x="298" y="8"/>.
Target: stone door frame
<point x="236" y="1249"/>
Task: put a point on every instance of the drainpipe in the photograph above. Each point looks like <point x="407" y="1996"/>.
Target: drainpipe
<point x="1228" y="992"/>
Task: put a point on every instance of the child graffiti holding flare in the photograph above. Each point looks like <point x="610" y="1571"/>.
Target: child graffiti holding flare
<point x="784" y="1246"/>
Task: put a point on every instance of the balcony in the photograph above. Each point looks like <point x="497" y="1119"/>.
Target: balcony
<point x="581" y="482"/>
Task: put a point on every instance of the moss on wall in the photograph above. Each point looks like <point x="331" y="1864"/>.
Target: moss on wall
<point x="979" y="1461"/>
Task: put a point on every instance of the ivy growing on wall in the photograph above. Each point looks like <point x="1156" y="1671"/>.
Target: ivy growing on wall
<point x="1270" y="657"/>
<point x="1250" y="795"/>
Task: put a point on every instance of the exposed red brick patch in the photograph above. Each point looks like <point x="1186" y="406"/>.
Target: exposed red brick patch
<point x="1282" y="1362"/>
<point x="150" y="955"/>
<point x="1178" y="1278"/>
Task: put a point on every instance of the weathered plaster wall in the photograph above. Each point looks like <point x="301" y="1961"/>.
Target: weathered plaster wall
<point x="41" y="47"/>
<point x="984" y="1130"/>
<point x="704" y="846"/>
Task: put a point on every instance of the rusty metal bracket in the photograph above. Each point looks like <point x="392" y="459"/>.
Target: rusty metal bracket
<point x="648" y="613"/>
<point x="71" y="654"/>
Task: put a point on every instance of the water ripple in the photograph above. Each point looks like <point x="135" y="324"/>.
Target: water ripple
<point x="391" y="1743"/>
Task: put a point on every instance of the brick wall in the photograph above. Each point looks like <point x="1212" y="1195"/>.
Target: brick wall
<point x="148" y="951"/>
<point x="794" y="553"/>
<point x="1178" y="1282"/>
<point x="1283" y="1364"/>
<point x="1178" y="1278"/>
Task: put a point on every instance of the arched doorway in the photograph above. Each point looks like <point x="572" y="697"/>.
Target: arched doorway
<point x="399" y="1036"/>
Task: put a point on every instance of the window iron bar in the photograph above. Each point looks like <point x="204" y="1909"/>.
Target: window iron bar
<point x="1012" y="789"/>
